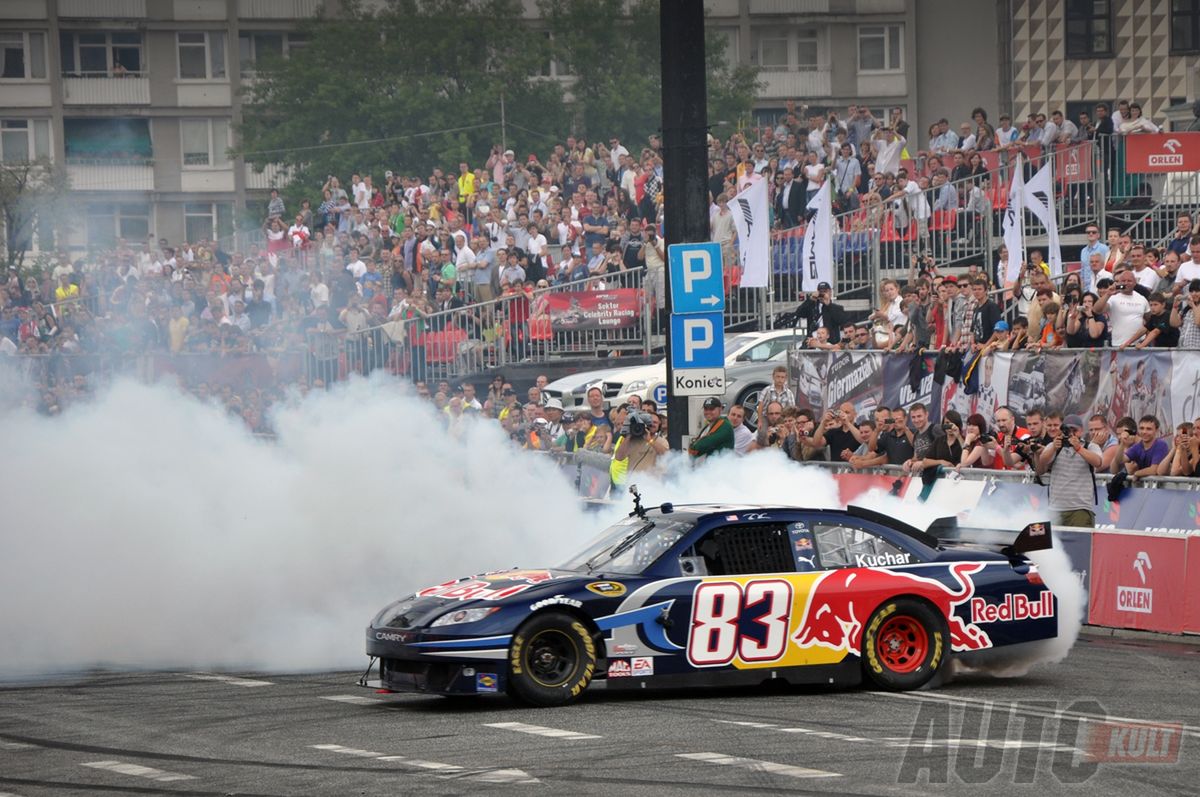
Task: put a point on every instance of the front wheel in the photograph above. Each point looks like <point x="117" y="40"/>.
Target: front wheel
<point x="551" y="660"/>
<point x="904" y="645"/>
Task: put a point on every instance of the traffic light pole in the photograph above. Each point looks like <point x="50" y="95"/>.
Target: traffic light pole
<point x="685" y="163"/>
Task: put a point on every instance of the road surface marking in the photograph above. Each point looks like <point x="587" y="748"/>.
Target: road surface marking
<point x="16" y="746"/>
<point x="358" y="700"/>
<point x="486" y="775"/>
<point x="1020" y="708"/>
<point x="758" y="766"/>
<point x="540" y="730"/>
<point x="225" y="679"/>
<point x="137" y="770"/>
<point x="904" y="741"/>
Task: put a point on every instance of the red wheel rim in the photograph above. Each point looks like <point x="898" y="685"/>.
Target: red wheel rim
<point x="901" y="644"/>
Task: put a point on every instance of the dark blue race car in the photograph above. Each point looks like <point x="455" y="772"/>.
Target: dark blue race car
<point x="718" y="596"/>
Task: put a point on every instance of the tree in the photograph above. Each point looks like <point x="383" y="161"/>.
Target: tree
<point x="420" y="80"/>
<point x="611" y="49"/>
<point x="34" y="196"/>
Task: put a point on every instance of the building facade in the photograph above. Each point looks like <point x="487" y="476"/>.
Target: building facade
<point x="138" y="99"/>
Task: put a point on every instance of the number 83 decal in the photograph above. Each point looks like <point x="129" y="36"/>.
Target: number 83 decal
<point x="731" y="620"/>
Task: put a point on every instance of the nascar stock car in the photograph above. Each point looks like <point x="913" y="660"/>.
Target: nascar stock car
<point x="720" y="595"/>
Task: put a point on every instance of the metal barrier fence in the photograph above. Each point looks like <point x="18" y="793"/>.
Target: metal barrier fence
<point x="236" y="370"/>
<point x="598" y="317"/>
<point x="1014" y="476"/>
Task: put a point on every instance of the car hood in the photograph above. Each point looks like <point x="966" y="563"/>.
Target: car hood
<point x="492" y="588"/>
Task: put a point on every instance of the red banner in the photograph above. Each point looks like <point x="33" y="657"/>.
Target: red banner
<point x="1073" y="163"/>
<point x="1138" y="582"/>
<point x="1191" y="606"/>
<point x="1162" y="152"/>
<point x="852" y="486"/>
<point x="609" y="309"/>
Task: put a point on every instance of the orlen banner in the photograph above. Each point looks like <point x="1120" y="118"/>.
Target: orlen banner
<point x="1191" y="609"/>
<point x="611" y="309"/>
<point x="1162" y="152"/>
<point x="1138" y="581"/>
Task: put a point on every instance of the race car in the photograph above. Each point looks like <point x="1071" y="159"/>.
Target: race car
<point x="720" y="595"/>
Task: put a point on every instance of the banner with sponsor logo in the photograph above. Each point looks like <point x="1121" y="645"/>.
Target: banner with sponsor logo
<point x="1191" y="606"/>
<point x="1136" y="383"/>
<point x="1162" y="152"/>
<point x="609" y="309"/>
<point x="908" y="379"/>
<point x="750" y="217"/>
<point x="1138" y="581"/>
<point x="1073" y="163"/>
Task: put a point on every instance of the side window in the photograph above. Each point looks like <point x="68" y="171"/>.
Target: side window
<point x="843" y="545"/>
<point x="739" y="551"/>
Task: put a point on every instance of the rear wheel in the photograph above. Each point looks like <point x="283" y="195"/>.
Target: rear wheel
<point x="749" y="399"/>
<point x="904" y="645"/>
<point x="551" y="660"/>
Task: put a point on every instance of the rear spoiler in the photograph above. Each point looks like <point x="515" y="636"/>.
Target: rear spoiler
<point x="1034" y="537"/>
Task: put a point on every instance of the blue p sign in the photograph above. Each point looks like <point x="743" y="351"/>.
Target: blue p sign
<point x="697" y="285"/>
<point x="698" y="341"/>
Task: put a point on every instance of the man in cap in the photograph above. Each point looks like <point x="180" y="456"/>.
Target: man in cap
<point x="819" y="310"/>
<point x="717" y="434"/>
<point x="554" y="415"/>
<point x="1072" y="461"/>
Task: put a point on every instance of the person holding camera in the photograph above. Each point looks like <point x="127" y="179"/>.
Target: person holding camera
<point x="639" y="448"/>
<point x="1184" y="317"/>
<point x="979" y="446"/>
<point x="1071" y="461"/>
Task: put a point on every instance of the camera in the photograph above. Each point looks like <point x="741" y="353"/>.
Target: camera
<point x="637" y="424"/>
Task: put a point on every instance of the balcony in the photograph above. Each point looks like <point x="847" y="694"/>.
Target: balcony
<point x="128" y="90"/>
<point x="200" y="10"/>
<point x="202" y="180"/>
<point x="25" y="9"/>
<point x="789" y="6"/>
<point x="277" y="9"/>
<point x="811" y="82"/>
<point x="102" y="9"/>
<point x="111" y="175"/>
<point x="273" y="176"/>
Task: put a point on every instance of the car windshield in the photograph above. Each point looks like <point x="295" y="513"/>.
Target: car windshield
<point x="629" y="547"/>
<point x="732" y="346"/>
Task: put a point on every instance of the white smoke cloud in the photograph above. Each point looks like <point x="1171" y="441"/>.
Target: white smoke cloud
<point x="147" y="530"/>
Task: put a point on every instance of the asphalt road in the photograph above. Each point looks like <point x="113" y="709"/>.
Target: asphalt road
<point x="262" y="734"/>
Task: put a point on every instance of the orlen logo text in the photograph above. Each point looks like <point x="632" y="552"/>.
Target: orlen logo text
<point x="1134" y="743"/>
<point x="1166" y="160"/>
<point x="1135" y="599"/>
<point x="1014" y="607"/>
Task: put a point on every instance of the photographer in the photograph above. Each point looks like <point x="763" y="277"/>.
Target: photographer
<point x="1184" y="318"/>
<point x="946" y="453"/>
<point x="979" y="445"/>
<point x="772" y="430"/>
<point x="638" y="449"/>
<point x="1072" y="463"/>
<point x="807" y="444"/>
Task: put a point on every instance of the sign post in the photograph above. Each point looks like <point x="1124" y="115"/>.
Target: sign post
<point x="697" y="343"/>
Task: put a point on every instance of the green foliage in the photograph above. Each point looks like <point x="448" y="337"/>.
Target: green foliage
<point x="34" y="197"/>
<point x="421" y="80"/>
<point x="394" y="77"/>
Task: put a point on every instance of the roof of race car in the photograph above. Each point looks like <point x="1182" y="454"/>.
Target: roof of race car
<point x="700" y="511"/>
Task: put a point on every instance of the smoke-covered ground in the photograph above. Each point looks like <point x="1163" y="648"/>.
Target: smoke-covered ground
<point x="146" y="529"/>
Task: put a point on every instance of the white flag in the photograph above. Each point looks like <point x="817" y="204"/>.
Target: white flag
<point x="749" y="210"/>
<point x="1039" y="198"/>
<point x="1014" y="217"/>
<point x="816" y="256"/>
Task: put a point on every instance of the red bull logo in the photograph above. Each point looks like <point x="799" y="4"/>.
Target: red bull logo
<point x="1014" y="607"/>
<point x="841" y="601"/>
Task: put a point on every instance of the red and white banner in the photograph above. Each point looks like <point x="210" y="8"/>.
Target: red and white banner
<point x="1162" y="152"/>
<point x="1138" y="581"/>
<point x="1073" y="163"/>
<point x="608" y="309"/>
<point x="1191" y="605"/>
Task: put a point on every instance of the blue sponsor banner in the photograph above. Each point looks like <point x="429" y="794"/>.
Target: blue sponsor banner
<point x="1078" y="547"/>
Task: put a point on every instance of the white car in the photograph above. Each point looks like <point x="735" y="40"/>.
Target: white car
<point x="744" y="347"/>
<point x="572" y="390"/>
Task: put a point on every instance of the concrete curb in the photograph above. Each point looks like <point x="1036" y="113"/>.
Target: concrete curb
<point x="1144" y="636"/>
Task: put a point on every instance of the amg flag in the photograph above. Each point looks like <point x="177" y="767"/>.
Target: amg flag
<point x="754" y="235"/>
<point x="816" y="256"/>
<point x="1013" y="223"/>
<point x="1039" y="198"/>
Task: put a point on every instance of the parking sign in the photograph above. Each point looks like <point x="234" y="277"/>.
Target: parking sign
<point x="697" y="285"/>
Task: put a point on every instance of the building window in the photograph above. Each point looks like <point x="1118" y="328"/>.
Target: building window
<point x="552" y="67"/>
<point x="23" y="140"/>
<point x="263" y="45"/>
<point x="106" y="222"/>
<point x="201" y="55"/>
<point x="205" y="142"/>
<point x="22" y="56"/>
<point x="206" y="221"/>
<point x="1185" y="26"/>
<point x="113" y="54"/>
<point x="99" y="140"/>
<point x="880" y="48"/>
<point x="1089" y="28"/>
<point x="776" y="49"/>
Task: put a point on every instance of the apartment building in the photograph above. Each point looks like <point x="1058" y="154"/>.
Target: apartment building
<point x="138" y="99"/>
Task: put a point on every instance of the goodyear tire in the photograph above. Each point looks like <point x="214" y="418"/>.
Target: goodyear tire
<point x="905" y="645"/>
<point x="551" y="660"/>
